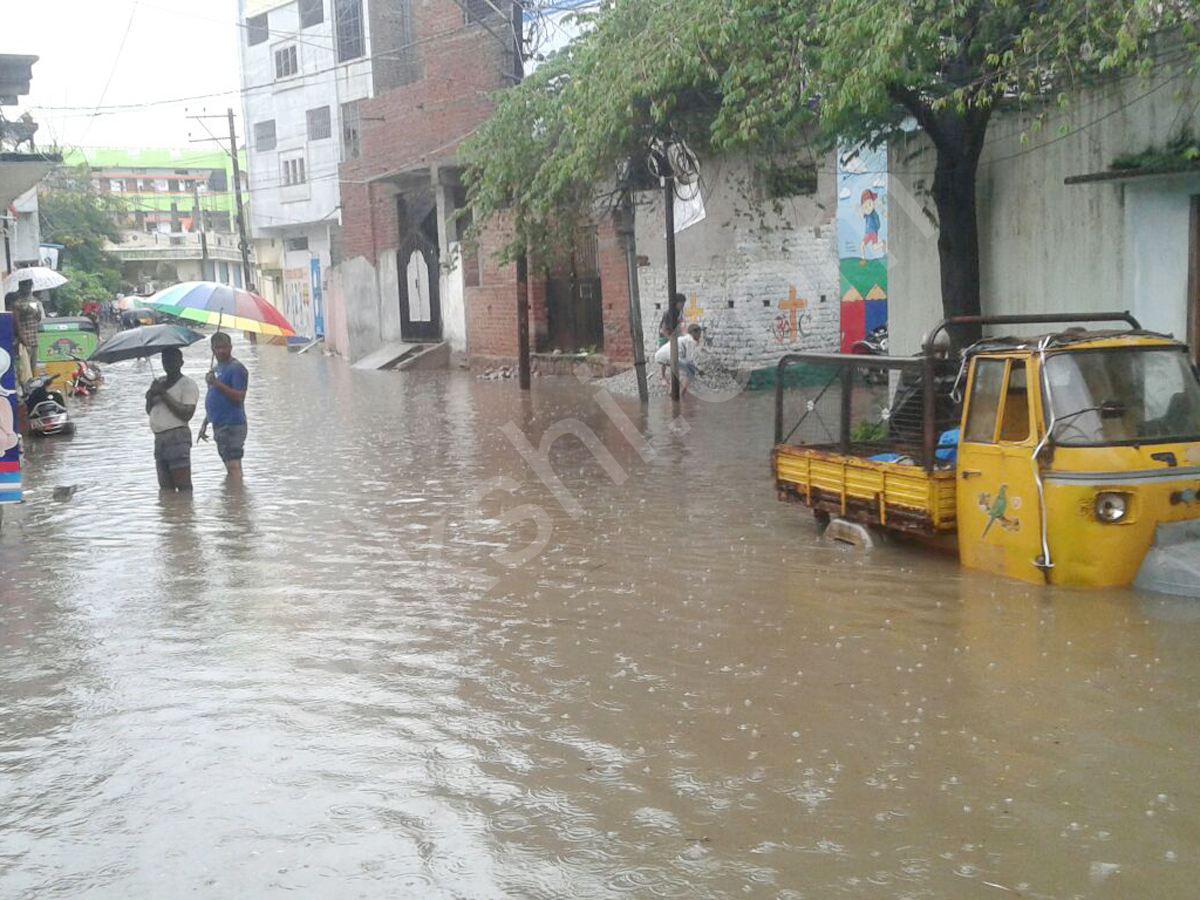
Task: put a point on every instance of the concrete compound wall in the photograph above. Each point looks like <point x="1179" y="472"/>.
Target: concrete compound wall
<point x="1048" y="246"/>
<point x="453" y="301"/>
<point x="761" y="284"/>
<point x="362" y="309"/>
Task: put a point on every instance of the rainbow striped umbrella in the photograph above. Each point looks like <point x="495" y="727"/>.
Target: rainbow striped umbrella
<point x="219" y="304"/>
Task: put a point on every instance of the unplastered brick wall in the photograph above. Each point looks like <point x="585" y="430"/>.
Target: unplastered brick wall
<point x="420" y="125"/>
<point x="761" y="284"/>
<point x="492" y="306"/>
<point x="614" y="292"/>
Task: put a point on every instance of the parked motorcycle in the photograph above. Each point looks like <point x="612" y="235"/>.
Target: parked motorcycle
<point x="874" y="344"/>
<point x="46" y="408"/>
<point x="85" y="380"/>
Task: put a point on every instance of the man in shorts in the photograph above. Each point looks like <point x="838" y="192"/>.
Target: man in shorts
<point x="689" y="346"/>
<point x="170" y="403"/>
<point x="225" y="405"/>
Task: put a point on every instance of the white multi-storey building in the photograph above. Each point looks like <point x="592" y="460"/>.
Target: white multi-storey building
<point x="305" y="66"/>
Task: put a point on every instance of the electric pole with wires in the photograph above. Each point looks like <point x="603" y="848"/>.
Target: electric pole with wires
<point x="243" y="243"/>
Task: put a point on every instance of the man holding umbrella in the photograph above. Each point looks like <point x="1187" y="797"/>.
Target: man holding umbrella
<point x="29" y="315"/>
<point x="225" y="405"/>
<point x="170" y="403"/>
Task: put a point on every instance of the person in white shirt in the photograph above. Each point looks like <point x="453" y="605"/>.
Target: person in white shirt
<point x="170" y="403"/>
<point x="689" y="345"/>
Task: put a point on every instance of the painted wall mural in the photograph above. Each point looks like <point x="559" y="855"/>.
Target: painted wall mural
<point x="862" y="234"/>
<point x="10" y="446"/>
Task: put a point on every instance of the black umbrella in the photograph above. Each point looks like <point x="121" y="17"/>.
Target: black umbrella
<point x="147" y="340"/>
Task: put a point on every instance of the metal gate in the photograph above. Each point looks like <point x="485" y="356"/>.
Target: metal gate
<point x="574" y="310"/>
<point x="420" y="307"/>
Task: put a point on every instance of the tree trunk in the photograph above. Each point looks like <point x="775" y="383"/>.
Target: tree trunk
<point x="958" y="241"/>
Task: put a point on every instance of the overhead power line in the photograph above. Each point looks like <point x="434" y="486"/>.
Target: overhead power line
<point x="389" y="53"/>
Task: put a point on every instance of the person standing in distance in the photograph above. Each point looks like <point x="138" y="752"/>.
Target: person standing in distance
<point x="225" y="405"/>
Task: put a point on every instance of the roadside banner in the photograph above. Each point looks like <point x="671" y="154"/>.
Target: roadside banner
<point x="10" y="447"/>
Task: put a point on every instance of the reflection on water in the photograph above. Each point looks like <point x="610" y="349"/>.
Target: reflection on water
<point x="324" y="683"/>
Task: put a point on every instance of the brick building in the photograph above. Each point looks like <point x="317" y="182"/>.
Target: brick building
<point x="403" y="274"/>
<point x="435" y="67"/>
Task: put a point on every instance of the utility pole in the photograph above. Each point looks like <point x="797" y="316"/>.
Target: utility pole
<point x="523" y="320"/>
<point x="626" y="222"/>
<point x="237" y="192"/>
<point x="198" y="216"/>
<point x="668" y="180"/>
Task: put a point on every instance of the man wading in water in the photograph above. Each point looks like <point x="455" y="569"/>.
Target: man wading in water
<point x="170" y="403"/>
<point x="225" y="405"/>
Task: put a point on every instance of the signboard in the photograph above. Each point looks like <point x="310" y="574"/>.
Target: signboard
<point x="318" y="299"/>
<point x="10" y="447"/>
<point x="689" y="206"/>
<point x="50" y="255"/>
<point x="297" y="300"/>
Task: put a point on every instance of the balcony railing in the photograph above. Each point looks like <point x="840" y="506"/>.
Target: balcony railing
<point x="175" y="245"/>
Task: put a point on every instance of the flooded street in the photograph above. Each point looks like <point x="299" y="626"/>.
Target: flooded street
<point x="325" y="685"/>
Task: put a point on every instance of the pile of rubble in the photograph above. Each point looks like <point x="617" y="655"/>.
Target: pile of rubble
<point x="713" y="375"/>
<point x="499" y="373"/>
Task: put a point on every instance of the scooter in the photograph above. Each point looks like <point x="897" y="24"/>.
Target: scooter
<point x="874" y="344"/>
<point x="46" y="408"/>
<point x="85" y="380"/>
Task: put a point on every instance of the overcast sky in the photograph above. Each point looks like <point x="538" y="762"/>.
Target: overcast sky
<point x="171" y="49"/>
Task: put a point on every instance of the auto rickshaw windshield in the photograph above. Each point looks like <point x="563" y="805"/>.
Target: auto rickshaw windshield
<point x="1123" y="396"/>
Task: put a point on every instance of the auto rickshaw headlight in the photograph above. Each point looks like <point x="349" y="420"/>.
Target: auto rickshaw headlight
<point x="1111" y="506"/>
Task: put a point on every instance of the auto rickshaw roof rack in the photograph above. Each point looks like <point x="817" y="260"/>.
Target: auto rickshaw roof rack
<point x="929" y="344"/>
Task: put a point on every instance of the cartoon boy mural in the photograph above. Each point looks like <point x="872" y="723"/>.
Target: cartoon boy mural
<point x="871" y="226"/>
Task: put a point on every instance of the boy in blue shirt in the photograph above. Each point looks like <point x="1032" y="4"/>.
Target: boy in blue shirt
<point x="225" y="405"/>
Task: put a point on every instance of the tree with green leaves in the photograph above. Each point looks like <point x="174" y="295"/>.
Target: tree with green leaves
<point x="864" y="67"/>
<point x="559" y="141"/>
<point x="763" y="76"/>
<point x="74" y="214"/>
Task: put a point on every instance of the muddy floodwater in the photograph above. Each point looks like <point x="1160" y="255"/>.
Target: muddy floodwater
<point x="354" y="678"/>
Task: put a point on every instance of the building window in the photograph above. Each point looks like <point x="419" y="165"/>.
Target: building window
<point x="318" y="123"/>
<point x="287" y="61"/>
<point x="173" y="185"/>
<point x="297" y="243"/>
<point x="264" y="135"/>
<point x="348" y="20"/>
<point x="312" y="12"/>
<point x="257" y="30"/>
<point x="350" y="125"/>
<point x="292" y="170"/>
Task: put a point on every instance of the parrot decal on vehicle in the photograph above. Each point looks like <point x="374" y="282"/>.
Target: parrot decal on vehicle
<point x="996" y="510"/>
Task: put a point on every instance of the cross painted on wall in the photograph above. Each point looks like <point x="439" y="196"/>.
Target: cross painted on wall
<point x="692" y="311"/>
<point x="792" y="305"/>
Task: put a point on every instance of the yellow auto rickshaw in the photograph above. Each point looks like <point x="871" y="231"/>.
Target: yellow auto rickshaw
<point x="1075" y="460"/>
<point x="63" y="340"/>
